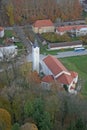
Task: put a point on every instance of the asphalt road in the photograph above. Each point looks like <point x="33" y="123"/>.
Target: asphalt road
<point x="71" y="53"/>
<point x="60" y="54"/>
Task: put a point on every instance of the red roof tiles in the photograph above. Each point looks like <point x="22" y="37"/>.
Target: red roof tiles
<point x="43" y="23"/>
<point x="65" y="28"/>
<point x="57" y="67"/>
<point x="1" y="28"/>
<point x="48" y="79"/>
<point x="65" y="79"/>
<point x="69" y="28"/>
<point x="54" y="65"/>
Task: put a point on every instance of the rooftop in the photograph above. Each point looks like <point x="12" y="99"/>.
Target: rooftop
<point x="54" y="65"/>
<point x="72" y="27"/>
<point x="43" y="23"/>
<point x="63" y="44"/>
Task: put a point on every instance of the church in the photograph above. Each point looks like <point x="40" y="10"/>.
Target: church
<point x="53" y="70"/>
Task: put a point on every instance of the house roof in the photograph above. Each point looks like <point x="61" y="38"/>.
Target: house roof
<point x="72" y="27"/>
<point x="1" y="28"/>
<point x="63" y="44"/>
<point x="57" y="67"/>
<point x="81" y="27"/>
<point x="43" y="23"/>
<point x="54" y="65"/>
<point x="65" y="79"/>
<point x="65" y="28"/>
<point x="48" y="79"/>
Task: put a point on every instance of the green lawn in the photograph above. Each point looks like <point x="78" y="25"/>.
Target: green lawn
<point x="78" y="64"/>
<point x="9" y="33"/>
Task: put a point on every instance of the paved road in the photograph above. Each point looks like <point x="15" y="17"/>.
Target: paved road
<point x="61" y="54"/>
<point x="71" y="53"/>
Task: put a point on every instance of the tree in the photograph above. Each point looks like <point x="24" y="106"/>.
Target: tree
<point x="16" y="126"/>
<point x="78" y="125"/>
<point x="36" y="110"/>
<point x="10" y="13"/>
<point x="5" y="120"/>
<point x="4" y="103"/>
<point x="70" y="9"/>
<point x="29" y="126"/>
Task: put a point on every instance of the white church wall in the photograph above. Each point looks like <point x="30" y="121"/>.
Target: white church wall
<point x="35" y="58"/>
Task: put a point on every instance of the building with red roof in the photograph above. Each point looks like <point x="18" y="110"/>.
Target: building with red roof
<point x="78" y="30"/>
<point x="54" y="70"/>
<point x="43" y="26"/>
<point x="1" y="32"/>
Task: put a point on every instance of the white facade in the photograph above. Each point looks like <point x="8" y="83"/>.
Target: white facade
<point x="81" y="32"/>
<point x="35" y="58"/>
<point x="60" y="33"/>
<point x="65" y="47"/>
<point x="8" y="52"/>
<point x="1" y="32"/>
<point x="73" y="84"/>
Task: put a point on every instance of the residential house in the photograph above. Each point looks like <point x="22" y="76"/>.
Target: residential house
<point x="64" y="29"/>
<point x="8" y="52"/>
<point x="77" y="30"/>
<point x="64" y="45"/>
<point x="54" y="70"/>
<point x="1" y="32"/>
<point x="43" y="26"/>
<point x="81" y="31"/>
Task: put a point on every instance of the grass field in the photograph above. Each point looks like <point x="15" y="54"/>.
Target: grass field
<point x="78" y="64"/>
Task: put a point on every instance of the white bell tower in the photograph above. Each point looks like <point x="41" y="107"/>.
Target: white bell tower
<point x="35" y="57"/>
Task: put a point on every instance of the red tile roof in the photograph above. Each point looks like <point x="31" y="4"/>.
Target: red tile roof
<point x="1" y="28"/>
<point x="65" y="28"/>
<point x="54" y="65"/>
<point x="43" y="23"/>
<point x="65" y="79"/>
<point x="68" y="28"/>
<point x="48" y="79"/>
<point x="81" y="26"/>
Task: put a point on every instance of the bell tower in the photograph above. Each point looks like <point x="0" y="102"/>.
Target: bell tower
<point x="35" y="56"/>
